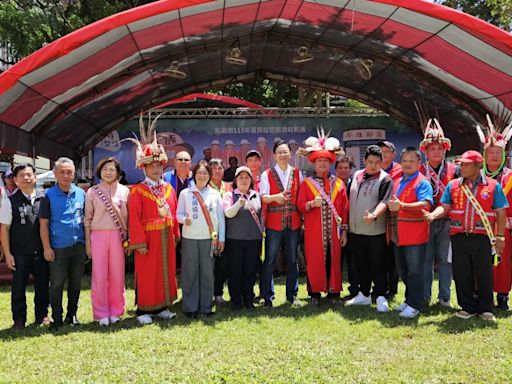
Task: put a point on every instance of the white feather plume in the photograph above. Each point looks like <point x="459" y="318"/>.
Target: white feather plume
<point x="481" y="134"/>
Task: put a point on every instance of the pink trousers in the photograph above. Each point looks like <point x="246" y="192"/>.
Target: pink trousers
<point x="107" y="288"/>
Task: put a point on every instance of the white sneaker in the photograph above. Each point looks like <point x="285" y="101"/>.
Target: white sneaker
<point x="409" y="313"/>
<point x="359" y="299"/>
<point x="382" y="304"/>
<point x="401" y="307"/>
<point x="104" y="322"/>
<point x="114" y="319"/>
<point x="166" y="314"/>
<point x="144" y="319"/>
<point x="220" y="300"/>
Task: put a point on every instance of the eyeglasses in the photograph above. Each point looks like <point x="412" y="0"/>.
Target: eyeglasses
<point x="183" y="160"/>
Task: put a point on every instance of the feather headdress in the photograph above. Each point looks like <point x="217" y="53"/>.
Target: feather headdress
<point x="432" y="130"/>
<point x="497" y="133"/>
<point x="147" y="147"/>
<point x="322" y="146"/>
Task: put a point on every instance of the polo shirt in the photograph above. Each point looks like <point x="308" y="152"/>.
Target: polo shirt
<point x="65" y="212"/>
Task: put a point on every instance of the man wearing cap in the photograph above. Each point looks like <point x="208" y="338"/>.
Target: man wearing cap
<point x="323" y="201"/>
<point x="394" y="170"/>
<point x="10" y="186"/>
<point x="207" y="153"/>
<point x="370" y="190"/>
<point x="279" y="188"/>
<point x="407" y="230"/>
<point x="153" y="231"/>
<point x="253" y="162"/>
<point x="477" y="208"/>
<point x="438" y="172"/>
<point x="495" y="144"/>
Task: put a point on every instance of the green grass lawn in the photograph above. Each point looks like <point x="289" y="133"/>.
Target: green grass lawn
<point x="281" y="345"/>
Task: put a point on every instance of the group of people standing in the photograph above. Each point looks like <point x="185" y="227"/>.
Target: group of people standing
<point x="385" y="218"/>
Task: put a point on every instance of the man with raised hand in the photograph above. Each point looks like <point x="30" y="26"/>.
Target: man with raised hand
<point x="407" y="230"/>
<point x="279" y="188"/>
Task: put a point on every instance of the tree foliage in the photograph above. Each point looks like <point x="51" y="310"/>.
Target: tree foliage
<point x="497" y="12"/>
<point x="27" y="25"/>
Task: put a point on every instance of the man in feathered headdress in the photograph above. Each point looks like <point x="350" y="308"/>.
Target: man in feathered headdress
<point x="323" y="201"/>
<point x="153" y="230"/>
<point x="438" y="172"/>
<point x="495" y="144"/>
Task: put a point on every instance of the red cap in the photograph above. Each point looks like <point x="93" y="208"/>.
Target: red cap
<point x="470" y="157"/>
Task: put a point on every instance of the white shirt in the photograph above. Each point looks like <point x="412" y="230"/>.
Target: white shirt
<point x="283" y="176"/>
<point x="189" y="207"/>
<point x="6" y="208"/>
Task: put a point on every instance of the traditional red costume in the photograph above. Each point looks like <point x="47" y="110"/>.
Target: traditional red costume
<point x="152" y="226"/>
<point x="322" y="226"/>
<point x="156" y="230"/>
<point x="499" y="136"/>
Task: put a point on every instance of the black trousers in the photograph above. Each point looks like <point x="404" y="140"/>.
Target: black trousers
<point x="243" y="263"/>
<point x="220" y="272"/>
<point x="348" y="257"/>
<point x="472" y="263"/>
<point x="37" y="266"/>
<point x="68" y="266"/>
<point x="370" y="258"/>
<point x="391" y="271"/>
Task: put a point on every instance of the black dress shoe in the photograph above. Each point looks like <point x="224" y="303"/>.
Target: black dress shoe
<point x="190" y="315"/>
<point x="209" y="314"/>
<point x="268" y="303"/>
<point x="54" y="327"/>
<point x="19" y="324"/>
<point x="502" y="300"/>
<point x="73" y="321"/>
<point x="249" y="306"/>
<point x="236" y="307"/>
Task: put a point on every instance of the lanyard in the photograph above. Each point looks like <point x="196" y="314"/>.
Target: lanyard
<point x="485" y="220"/>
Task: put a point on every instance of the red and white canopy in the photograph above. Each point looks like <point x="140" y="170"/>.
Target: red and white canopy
<point x="65" y="97"/>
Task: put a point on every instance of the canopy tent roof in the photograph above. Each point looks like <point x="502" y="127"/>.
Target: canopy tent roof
<point x="65" y="97"/>
<point x="205" y="100"/>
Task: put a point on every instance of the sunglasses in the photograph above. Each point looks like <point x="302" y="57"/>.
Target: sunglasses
<point x="184" y="160"/>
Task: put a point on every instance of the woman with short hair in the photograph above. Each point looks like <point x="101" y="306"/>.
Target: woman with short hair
<point x="201" y="213"/>
<point x="106" y="218"/>
<point x="244" y="232"/>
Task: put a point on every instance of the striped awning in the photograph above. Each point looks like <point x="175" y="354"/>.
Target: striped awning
<point x="65" y="97"/>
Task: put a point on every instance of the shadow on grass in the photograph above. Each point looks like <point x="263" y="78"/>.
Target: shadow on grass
<point x="433" y="315"/>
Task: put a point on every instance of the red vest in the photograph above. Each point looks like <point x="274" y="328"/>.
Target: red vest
<point x="280" y="217"/>
<point x="463" y="217"/>
<point x="410" y="227"/>
<point x="395" y="172"/>
<point x="447" y="175"/>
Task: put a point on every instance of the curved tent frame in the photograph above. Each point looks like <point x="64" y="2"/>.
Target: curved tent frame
<point x="65" y="97"/>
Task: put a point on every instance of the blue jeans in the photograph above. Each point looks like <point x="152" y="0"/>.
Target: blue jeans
<point x="410" y="260"/>
<point x="438" y="248"/>
<point x="272" y="245"/>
